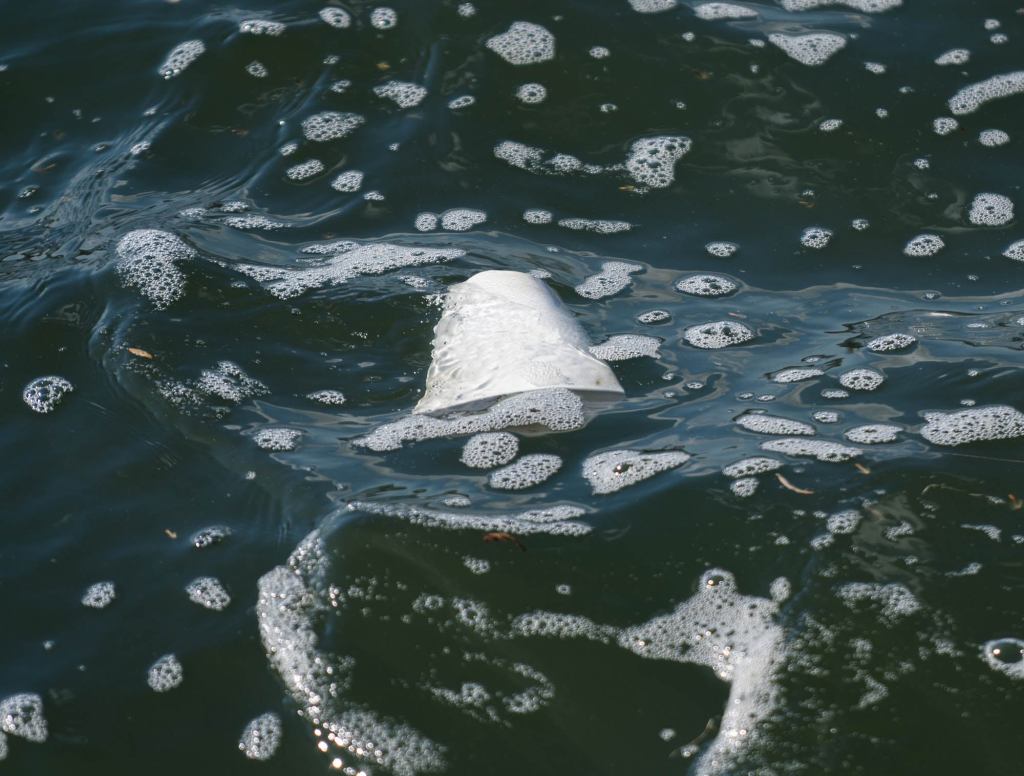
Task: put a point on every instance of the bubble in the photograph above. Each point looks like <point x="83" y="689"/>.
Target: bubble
<point x="815" y="237"/>
<point x="537" y="216"/>
<point x="864" y="6"/>
<point x="651" y="161"/>
<point x="330" y="125"/>
<point x="744" y="487"/>
<point x="305" y="170"/>
<point x="277" y="439"/>
<point x="1015" y="251"/>
<point x="462" y="102"/>
<point x="426" y="222"/>
<point x="257" y="69"/>
<point x="209" y="536"/>
<point x="611" y="471"/>
<point x="165" y="674"/>
<point x="595" y="225"/>
<point x="262" y="736"/>
<point x="654" y="316"/>
<point x="146" y="261"/>
<point x="999" y="38"/>
<point x="652" y="6"/>
<point x="924" y="245"/>
<point x="861" y="379"/>
<point x="844" y="522"/>
<point x="600" y="52"/>
<point x="873" y="434"/>
<point x="891" y="342"/>
<point x="229" y="382"/>
<point x="209" y="593"/>
<point x="1006" y="656"/>
<point x="180" y="57"/>
<point x="957" y="56"/>
<point x="826" y="416"/>
<point x="613" y="278"/>
<point x="383" y="18"/>
<point x="830" y="125"/>
<point x="718" y="334"/>
<point x="336" y="17"/>
<point x="531" y="93"/>
<point x="796" y="375"/>
<point x="711" y="11"/>
<point x="485" y="451"/>
<point x="288" y="149"/>
<point x="402" y="93"/>
<point x="828" y="452"/>
<point x="721" y="249"/>
<point x="327" y="396"/>
<point x="43" y="394"/>
<point x="524" y="43"/>
<point x="972" y="97"/>
<point x="895" y="600"/>
<point x="465" y="10"/>
<point x="976" y="424"/>
<point x="99" y="595"/>
<point x="348" y="181"/>
<point x="22" y="715"/>
<point x="623" y="347"/>
<point x="748" y="467"/>
<point x="877" y="68"/>
<point x="261" y="27"/>
<point x="528" y="471"/>
<point x="462" y="219"/>
<point x="944" y="125"/>
<point x="812" y="49"/>
<point x="991" y="210"/>
<point x="992" y="138"/>
<point x="706" y="285"/>
<point x="772" y="424"/>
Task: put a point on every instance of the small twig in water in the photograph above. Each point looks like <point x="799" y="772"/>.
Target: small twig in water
<point x="790" y="486"/>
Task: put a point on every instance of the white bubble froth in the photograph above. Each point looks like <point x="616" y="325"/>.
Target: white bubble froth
<point x="614" y="470"/>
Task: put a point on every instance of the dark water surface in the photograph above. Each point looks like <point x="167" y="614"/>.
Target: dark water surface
<point x="853" y="616"/>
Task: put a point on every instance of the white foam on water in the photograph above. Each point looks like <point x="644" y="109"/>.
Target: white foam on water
<point x="554" y="521"/>
<point x="537" y="216"/>
<point x="796" y="375"/>
<point x="745" y="487"/>
<point x="330" y="125"/>
<point x="1005" y="656"/>
<point x="209" y="536"/>
<point x="844" y="522"/>
<point x="305" y="170"/>
<point x="993" y="138"/>
<point x="463" y="101"/>
<point x="721" y="249"/>
<point x="893" y="600"/>
<point x="262" y="736"/>
<point x="830" y="125"/>
<point x="816" y="237"/>
<point x="146" y="261"/>
<point x="257" y="69"/>
<point x="209" y="593"/>
<point x="873" y="434"/>
<point x="652" y="6"/>
<point x="957" y="56"/>
<point x="972" y="97"/>
<point x="977" y="424"/>
<point x="1015" y="251"/>
<point x="229" y="382"/>
<point x="748" y="467"/>
<point x="99" y="595"/>
<point x="651" y="160"/>
<point x="990" y="531"/>
<point x="180" y="57"/>
<point x="277" y="439"/>
<point x="22" y="715"/>
<point x="3" y="746"/>
<point x="528" y="471"/>
<point x="44" y="394"/>
<point x="165" y="674"/>
<point x="462" y="219"/>
<point x="524" y="43"/>
<point x="327" y="396"/>
<point x="613" y="278"/>
<point x="944" y="125"/>
<point x="861" y="379"/>
<point x="600" y="52"/>
<point x="556" y="409"/>
<point x="812" y="49"/>
<point x="613" y="470"/>
<point x="487" y="450"/>
<point x="711" y="11"/>
<point x="828" y="452"/>
<point x="348" y="181"/>
<point x="254" y="222"/>
<point x="706" y="285"/>
<point x="991" y="210"/>
<point x="718" y="334"/>
<point x="826" y="416"/>
<point x="426" y="222"/>
<point x="623" y="347"/>
<point x="466" y="10"/>
<point x="889" y="343"/>
<point x="558" y="625"/>
<point x="924" y="245"/>
<point x="875" y="67"/>
<point x="772" y="424"/>
<point x="336" y="17"/>
<point x="383" y="18"/>
<point x="261" y="27"/>
<point x="402" y="93"/>
<point x="864" y="6"/>
<point x="596" y="225"/>
<point x="654" y="316"/>
<point x="531" y="93"/>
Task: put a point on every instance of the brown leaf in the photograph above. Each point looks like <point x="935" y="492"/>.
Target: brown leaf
<point x="862" y="468"/>
<point x="383" y="66"/>
<point x="140" y="353"/>
<point x="170" y="534"/>
<point x="790" y="486"/>
<point x="1015" y="503"/>
<point x="504" y="536"/>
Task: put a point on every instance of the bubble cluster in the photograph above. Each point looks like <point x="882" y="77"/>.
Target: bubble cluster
<point x="889" y="343"/>
<point x="864" y="6"/>
<point x="623" y="347"/>
<point x="596" y="225"/>
<point x="555" y="521"/>
<point x="745" y="487"/>
<point x="180" y="57"/>
<point x="895" y="600"/>
<point x="718" y="334"/>
<point x="721" y="249"/>
<point x="336" y="17"/>
<point x="537" y="216"/>
<point x="873" y="434"/>
<point x="976" y="424"/>
<point x="402" y="93"/>
<point x="1015" y="251"/>
<point x="991" y="210"/>
<point x="209" y="536"/>
<point x="815" y="237"/>
<point x="924" y="245"/>
<point x="277" y="439"/>
<point x="861" y="379"/>
<point x="614" y="470"/>
<point x="261" y="27"/>
<point x="748" y="467"/>
<point x="654" y="316"/>
<point x="828" y="452"/>
<point x="613" y="278"/>
<point x="826" y="416"/>
<point x="944" y="125"/>
<point x="165" y="674"/>
<point x="524" y="43"/>
<point x="796" y="375"/>
<point x="43" y="394"/>
<point x="305" y="170"/>
<point x="711" y="11"/>
<point x="262" y="736"/>
<point x="528" y="471"/>
<point x="972" y="97"/>
<point x="383" y="18"/>
<point x="426" y="222"/>
<point x="844" y="522"/>
<point x="830" y="125"/>
<point x="21" y="715"/>
<point x="706" y="285"/>
<point x="760" y="423"/>
<point x="99" y="595"/>
<point x="600" y="52"/>
<point x="146" y="261"/>
<point x="485" y="451"/>
<point x="651" y="161"/>
<point x="531" y="93"/>
<point x="812" y="49"/>
<point x="1005" y="656"/>
<point x="229" y="382"/>
<point x="257" y="69"/>
<point x="463" y="101"/>
<point x="327" y="396"/>
<point x="476" y="565"/>
<point x="462" y="219"/>
<point x="330" y="125"/>
<point x="348" y="181"/>
<point x="957" y="56"/>
<point x="652" y="6"/>
<point x="208" y="592"/>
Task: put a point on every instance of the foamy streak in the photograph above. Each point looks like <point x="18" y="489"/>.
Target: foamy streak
<point x="972" y="97"/>
<point x="556" y="521"/>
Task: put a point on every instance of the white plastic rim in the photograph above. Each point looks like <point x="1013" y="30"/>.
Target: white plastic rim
<point x="503" y="333"/>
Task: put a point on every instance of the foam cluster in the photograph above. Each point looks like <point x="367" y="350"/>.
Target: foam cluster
<point x="830" y="125"/>
<point x="651" y="160"/>
<point x="706" y="285"/>
<point x="1015" y="251"/>
<point x="873" y="434"/>
<point x="760" y="423"/>
<point x="402" y="93"/>
<point x="556" y="409"/>
<point x="957" y="56"/>
<point x="209" y="536"/>
<point x="796" y="375"/>
<point x="623" y="347"/>
<point x="991" y="210"/>
<point x="383" y="18"/>
<point x="718" y="334"/>
<point x="864" y="6"/>
<point x="977" y="424"/>
<point x="43" y="394"/>
<point x="844" y="522"/>
<point x="462" y="219"/>
<point x="654" y="316"/>
<point x="613" y="278"/>
<point x="21" y="715"/>
<point x="614" y="470"/>
<point x="305" y="170"/>
<point x="228" y="381"/>
<point x="537" y="216"/>
<point x="822" y="450"/>
<point x="745" y="487"/>
<point x="748" y="467"/>
<point x="327" y="396"/>
<point x="524" y="43"/>
<point x="554" y="521"/>
<point x="712" y="11"/>
<point x="485" y="451"/>
<point x="1005" y="656"/>
<point x="861" y="379"/>
<point x="721" y="249"/>
<point x="815" y="237"/>
<point x="277" y="439"/>
<point x="812" y="49"/>
<point x="330" y="125"/>
<point x="99" y="595"/>
<point x="889" y="343"/>
<point x="336" y="17"/>
<point x="165" y="674"/>
<point x="894" y="600"/>
<point x="146" y="261"/>
<point x="972" y="97"/>
<point x="596" y="225"/>
<point x="209" y="593"/>
<point x="261" y="27"/>
<point x="262" y="736"/>
<point x="180" y="57"/>
<point x="531" y="93"/>
<point x="528" y="471"/>
<point x="924" y="245"/>
<point x="993" y="138"/>
<point x="652" y="6"/>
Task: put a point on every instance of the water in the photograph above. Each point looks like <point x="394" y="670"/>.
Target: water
<point x="852" y="609"/>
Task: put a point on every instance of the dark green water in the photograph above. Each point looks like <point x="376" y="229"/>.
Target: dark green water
<point x="873" y="656"/>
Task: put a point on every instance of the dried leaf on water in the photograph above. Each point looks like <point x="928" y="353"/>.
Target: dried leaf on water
<point x="140" y="353"/>
<point x="504" y="536"/>
<point x="790" y="486"/>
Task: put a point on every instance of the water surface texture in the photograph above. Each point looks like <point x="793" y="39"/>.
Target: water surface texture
<point x="793" y="228"/>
